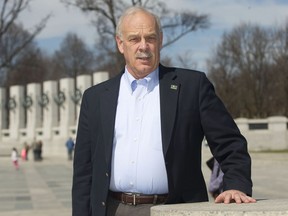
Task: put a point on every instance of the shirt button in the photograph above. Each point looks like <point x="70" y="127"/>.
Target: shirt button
<point x="103" y="203"/>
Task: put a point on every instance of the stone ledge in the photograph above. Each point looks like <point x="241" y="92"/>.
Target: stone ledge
<point x="262" y="207"/>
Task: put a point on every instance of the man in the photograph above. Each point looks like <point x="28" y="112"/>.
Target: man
<point x="140" y="133"/>
<point x="70" y="147"/>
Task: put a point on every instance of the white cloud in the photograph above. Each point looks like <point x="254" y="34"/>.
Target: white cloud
<point x="62" y="21"/>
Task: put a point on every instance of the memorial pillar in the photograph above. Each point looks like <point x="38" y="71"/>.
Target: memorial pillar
<point x="66" y="106"/>
<point x="3" y="111"/>
<point x="16" y="111"/>
<point x="49" y="109"/>
<point x="100" y="76"/>
<point x="33" y="110"/>
<point x="83" y="82"/>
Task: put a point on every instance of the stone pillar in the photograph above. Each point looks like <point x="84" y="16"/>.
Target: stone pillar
<point x="49" y="109"/>
<point x="67" y="107"/>
<point x="83" y="82"/>
<point x="16" y="111"/>
<point x="33" y="110"/>
<point x="100" y="76"/>
<point x="3" y="111"/>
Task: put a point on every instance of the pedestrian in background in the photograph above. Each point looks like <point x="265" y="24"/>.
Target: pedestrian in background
<point x="70" y="148"/>
<point x="216" y="180"/>
<point x="14" y="158"/>
<point x="33" y="146"/>
<point x="24" y="152"/>
<point x="39" y="147"/>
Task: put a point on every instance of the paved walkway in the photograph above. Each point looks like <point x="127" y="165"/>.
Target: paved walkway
<point x="44" y="188"/>
<point x="37" y="188"/>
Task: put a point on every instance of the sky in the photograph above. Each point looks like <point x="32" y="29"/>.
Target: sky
<point x="224" y="16"/>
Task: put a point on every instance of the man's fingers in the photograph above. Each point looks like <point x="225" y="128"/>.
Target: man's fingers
<point x="228" y="198"/>
<point x="234" y="196"/>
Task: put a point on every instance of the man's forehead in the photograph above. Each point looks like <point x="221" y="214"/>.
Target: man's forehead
<point x="141" y="26"/>
<point x="139" y="31"/>
<point x="140" y="20"/>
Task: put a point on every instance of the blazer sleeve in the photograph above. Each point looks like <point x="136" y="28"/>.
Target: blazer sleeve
<point x="227" y="144"/>
<point x="82" y="171"/>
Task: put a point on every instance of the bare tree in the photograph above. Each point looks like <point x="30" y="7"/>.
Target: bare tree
<point x="106" y="13"/>
<point x="13" y="38"/>
<point x="280" y="71"/>
<point x="243" y="71"/>
<point x="74" y="57"/>
<point x="31" y="66"/>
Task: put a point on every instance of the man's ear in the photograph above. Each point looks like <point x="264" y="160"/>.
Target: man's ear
<point x="119" y="44"/>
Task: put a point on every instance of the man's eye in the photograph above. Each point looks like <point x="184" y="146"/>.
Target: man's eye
<point x="150" y="39"/>
<point x="133" y="39"/>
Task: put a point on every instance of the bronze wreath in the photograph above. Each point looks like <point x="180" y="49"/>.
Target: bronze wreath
<point x="27" y="102"/>
<point x="44" y="100"/>
<point x="11" y="104"/>
<point x="60" y="98"/>
<point x="76" y="97"/>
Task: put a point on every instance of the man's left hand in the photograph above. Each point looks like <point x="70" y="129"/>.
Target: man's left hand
<point x="230" y="196"/>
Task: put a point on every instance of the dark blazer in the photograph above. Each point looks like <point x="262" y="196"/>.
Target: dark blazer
<point x="189" y="109"/>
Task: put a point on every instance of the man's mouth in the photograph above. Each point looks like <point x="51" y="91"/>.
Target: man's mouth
<point x="143" y="56"/>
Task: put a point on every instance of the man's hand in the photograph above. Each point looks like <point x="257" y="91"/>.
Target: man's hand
<point x="230" y="196"/>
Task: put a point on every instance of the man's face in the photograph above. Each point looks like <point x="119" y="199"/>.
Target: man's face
<point x="140" y="44"/>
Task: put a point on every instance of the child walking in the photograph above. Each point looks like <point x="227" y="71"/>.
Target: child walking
<point x="14" y="158"/>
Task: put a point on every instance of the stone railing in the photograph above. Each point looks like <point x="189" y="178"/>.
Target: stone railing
<point x="261" y="207"/>
<point x="265" y="134"/>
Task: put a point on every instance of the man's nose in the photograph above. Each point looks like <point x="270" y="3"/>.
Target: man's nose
<point x="143" y="44"/>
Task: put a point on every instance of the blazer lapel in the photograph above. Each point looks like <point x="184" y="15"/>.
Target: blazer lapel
<point x="169" y="91"/>
<point x="108" y="105"/>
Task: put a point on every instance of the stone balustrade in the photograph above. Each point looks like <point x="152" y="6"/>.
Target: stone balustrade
<point x="265" y="134"/>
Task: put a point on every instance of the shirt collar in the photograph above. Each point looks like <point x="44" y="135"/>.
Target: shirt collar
<point x="152" y="80"/>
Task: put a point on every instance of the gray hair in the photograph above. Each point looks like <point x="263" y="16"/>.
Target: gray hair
<point x="131" y="11"/>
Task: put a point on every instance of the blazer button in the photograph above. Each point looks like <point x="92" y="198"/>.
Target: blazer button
<point x="106" y="174"/>
<point x="103" y="203"/>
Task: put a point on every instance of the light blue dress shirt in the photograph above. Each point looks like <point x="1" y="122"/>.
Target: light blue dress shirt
<point x="137" y="159"/>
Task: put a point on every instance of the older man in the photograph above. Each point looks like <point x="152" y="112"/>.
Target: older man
<point x="140" y="133"/>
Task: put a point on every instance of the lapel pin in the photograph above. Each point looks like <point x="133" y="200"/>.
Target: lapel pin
<point x="174" y="87"/>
